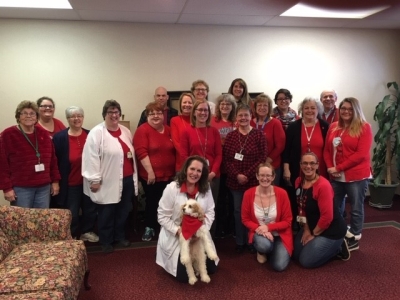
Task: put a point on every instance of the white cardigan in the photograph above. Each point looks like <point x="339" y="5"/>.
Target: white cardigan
<point x="169" y="211"/>
<point x="102" y="160"/>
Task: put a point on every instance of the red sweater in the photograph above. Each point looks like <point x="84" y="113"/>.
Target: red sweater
<point x="353" y="156"/>
<point x="18" y="159"/>
<point x="178" y="125"/>
<point x="283" y="222"/>
<point x="159" y="148"/>
<point x="193" y="142"/>
<point x="276" y="140"/>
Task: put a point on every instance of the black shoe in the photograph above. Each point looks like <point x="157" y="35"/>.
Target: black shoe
<point x="352" y="244"/>
<point x="344" y="253"/>
<point x="251" y="249"/>
<point x="239" y="249"/>
<point x="124" y="243"/>
<point x="107" y="248"/>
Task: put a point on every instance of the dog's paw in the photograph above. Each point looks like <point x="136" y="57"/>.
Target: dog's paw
<point x="185" y="260"/>
<point x="213" y="256"/>
<point x="192" y="280"/>
<point x="205" y="278"/>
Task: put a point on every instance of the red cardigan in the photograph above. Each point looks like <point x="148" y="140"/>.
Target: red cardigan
<point x="283" y="222"/>
<point x="190" y="145"/>
<point x="159" y="148"/>
<point x="18" y="159"/>
<point x="355" y="160"/>
<point x="276" y="140"/>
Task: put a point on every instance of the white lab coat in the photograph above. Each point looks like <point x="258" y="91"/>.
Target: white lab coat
<point x="102" y="160"/>
<point x="169" y="211"/>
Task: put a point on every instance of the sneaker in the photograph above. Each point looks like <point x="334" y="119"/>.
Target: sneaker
<point x="344" y="253"/>
<point x="352" y="244"/>
<point x="148" y="234"/>
<point x="261" y="258"/>
<point x="90" y="237"/>
<point x="350" y="235"/>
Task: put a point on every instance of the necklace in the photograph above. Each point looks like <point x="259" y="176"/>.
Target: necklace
<point x="266" y="214"/>
<point x="203" y="149"/>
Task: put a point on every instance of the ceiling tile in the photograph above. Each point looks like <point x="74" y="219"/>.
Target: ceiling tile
<point x="36" y="13"/>
<point x="127" y="16"/>
<point x="306" y="22"/>
<point x="223" y="19"/>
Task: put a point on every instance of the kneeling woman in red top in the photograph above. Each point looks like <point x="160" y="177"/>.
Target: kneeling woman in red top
<point x="266" y="213"/>
<point x="323" y="228"/>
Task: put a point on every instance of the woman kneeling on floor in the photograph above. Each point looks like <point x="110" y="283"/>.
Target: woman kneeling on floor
<point x="322" y="232"/>
<point x="266" y="213"/>
<point x="191" y="183"/>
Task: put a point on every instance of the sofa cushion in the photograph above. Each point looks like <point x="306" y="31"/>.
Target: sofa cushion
<point x="5" y="246"/>
<point x="44" y="295"/>
<point x="49" y="266"/>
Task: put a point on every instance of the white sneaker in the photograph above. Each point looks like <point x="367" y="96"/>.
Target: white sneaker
<point x="349" y="235"/>
<point x="90" y="237"/>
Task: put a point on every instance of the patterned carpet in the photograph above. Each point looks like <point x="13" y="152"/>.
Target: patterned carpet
<point x="371" y="273"/>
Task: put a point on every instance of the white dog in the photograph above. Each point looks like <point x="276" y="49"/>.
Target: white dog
<point x="194" y="250"/>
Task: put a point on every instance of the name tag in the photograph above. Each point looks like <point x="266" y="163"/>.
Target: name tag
<point x="129" y="154"/>
<point x="39" y="168"/>
<point x="301" y="219"/>
<point x="238" y="156"/>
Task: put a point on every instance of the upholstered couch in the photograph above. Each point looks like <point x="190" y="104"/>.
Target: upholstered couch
<point x="38" y="257"/>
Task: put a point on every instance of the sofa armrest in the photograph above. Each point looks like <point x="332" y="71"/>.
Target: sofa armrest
<point x="24" y="225"/>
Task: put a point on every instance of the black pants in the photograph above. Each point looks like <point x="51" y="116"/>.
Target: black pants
<point x="182" y="276"/>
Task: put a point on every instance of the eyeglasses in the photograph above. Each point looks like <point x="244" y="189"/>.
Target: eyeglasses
<point x="200" y="90"/>
<point x="225" y="104"/>
<point x="76" y="117"/>
<point x="30" y="115"/>
<point x="346" y="109"/>
<point x="283" y="99"/>
<point x="157" y="113"/>
<point x="113" y="113"/>
<point x="202" y="110"/>
<point x="46" y="106"/>
<point x="311" y="164"/>
<point x="269" y="176"/>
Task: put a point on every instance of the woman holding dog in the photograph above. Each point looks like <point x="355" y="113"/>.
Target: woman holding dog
<point x="191" y="183"/>
<point x="267" y="215"/>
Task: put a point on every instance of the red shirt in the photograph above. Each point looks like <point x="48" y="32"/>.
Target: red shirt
<point x="128" y="159"/>
<point x="333" y="116"/>
<point x="76" y="144"/>
<point x="147" y="141"/>
<point x="276" y="139"/>
<point x="223" y="128"/>
<point x="58" y="126"/>
<point x="205" y="142"/>
<point x="178" y="125"/>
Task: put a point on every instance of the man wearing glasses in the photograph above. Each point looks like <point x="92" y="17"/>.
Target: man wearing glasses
<point x="328" y="99"/>
<point x="161" y="96"/>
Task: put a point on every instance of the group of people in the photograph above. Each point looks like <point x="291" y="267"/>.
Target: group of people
<point x="270" y="171"/>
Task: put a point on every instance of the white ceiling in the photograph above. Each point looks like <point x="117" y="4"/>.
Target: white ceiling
<point x="213" y="12"/>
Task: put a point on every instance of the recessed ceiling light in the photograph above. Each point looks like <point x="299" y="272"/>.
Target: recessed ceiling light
<point x="302" y="10"/>
<point x="60" y="4"/>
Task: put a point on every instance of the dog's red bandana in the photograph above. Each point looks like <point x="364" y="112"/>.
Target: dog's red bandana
<point x="189" y="226"/>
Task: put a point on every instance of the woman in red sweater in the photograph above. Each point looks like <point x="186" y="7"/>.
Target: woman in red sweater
<point x="29" y="172"/>
<point x="266" y="213"/>
<point x="180" y="123"/>
<point x="273" y="130"/>
<point x="347" y="156"/>
<point x="203" y="140"/>
<point x="156" y="154"/>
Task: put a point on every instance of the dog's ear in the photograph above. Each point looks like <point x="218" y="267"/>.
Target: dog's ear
<point x="200" y="212"/>
<point x="182" y="206"/>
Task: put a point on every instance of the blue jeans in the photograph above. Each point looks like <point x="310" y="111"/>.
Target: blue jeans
<point x="241" y="230"/>
<point x="112" y="217"/>
<point x="75" y="200"/>
<point x="356" y="194"/>
<point x="32" y="197"/>
<point x="316" y="252"/>
<point x="279" y="258"/>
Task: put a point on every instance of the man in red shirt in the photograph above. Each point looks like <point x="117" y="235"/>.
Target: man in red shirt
<point x="328" y="99"/>
<point x="161" y="96"/>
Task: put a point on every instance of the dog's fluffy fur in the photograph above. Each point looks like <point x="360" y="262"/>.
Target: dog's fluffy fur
<point x="194" y="251"/>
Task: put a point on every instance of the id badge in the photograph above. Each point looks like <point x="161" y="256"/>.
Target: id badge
<point x="129" y="155"/>
<point x="301" y="219"/>
<point x="238" y="156"/>
<point x="39" y="168"/>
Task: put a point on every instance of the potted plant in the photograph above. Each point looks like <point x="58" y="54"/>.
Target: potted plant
<point x="387" y="148"/>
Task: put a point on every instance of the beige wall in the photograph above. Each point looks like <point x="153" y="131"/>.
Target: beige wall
<point x="86" y="63"/>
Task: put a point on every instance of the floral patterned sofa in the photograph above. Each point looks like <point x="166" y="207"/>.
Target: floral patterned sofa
<point x="38" y="257"/>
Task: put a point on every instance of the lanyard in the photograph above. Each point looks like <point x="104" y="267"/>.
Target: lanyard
<point x="36" y="148"/>
<point x="309" y="136"/>
<point x="205" y="142"/>
<point x="240" y="142"/>
<point x="266" y="120"/>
